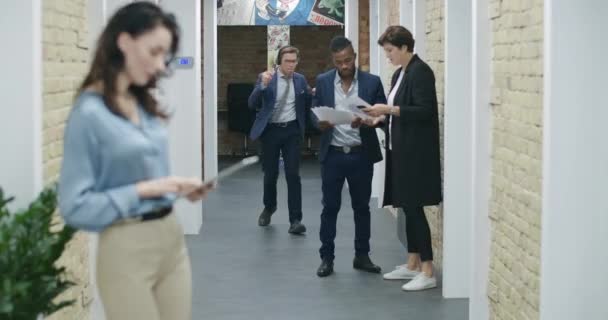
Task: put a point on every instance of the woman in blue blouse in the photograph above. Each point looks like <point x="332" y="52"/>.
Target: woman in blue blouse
<point x="115" y="175"/>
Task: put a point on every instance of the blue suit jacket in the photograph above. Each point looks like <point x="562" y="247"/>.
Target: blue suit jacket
<point x="370" y="90"/>
<point x="264" y="100"/>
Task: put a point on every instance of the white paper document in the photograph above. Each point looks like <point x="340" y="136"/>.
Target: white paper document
<point x="352" y="103"/>
<point x="356" y="101"/>
<point x="244" y="163"/>
<point x="333" y="116"/>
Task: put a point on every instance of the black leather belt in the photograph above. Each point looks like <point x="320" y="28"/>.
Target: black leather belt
<point x="156" y="214"/>
<point x="347" y="150"/>
<point x="282" y="124"/>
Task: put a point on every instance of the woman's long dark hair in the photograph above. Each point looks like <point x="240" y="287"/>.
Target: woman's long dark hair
<point x="135" y="19"/>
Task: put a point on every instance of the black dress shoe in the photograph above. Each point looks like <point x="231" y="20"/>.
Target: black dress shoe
<point x="264" y="218"/>
<point x="297" y="228"/>
<point x="326" y="268"/>
<point x="364" y="263"/>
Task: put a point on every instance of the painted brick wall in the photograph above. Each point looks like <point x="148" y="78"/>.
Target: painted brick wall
<point x="241" y="53"/>
<point x="393" y="12"/>
<point x="364" y="35"/>
<point x="65" y="56"/>
<point x="313" y="43"/>
<point x="515" y="205"/>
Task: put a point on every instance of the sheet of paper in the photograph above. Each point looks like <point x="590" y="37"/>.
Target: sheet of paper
<point x="333" y="116"/>
<point x="352" y="103"/>
<point x="244" y="163"/>
<point x="357" y="101"/>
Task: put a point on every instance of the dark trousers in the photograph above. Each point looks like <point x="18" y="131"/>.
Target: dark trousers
<point x="418" y="233"/>
<point x="357" y="169"/>
<point x="285" y="140"/>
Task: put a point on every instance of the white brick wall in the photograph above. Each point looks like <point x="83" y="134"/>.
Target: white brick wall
<point x="515" y="207"/>
<point x="65" y="56"/>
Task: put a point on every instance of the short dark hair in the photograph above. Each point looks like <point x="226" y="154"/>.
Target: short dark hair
<point x="339" y="43"/>
<point x="398" y="36"/>
<point x="287" y="49"/>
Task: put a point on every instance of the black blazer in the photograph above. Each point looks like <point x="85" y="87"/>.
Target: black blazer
<point x="413" y="169"/>
<point x="370" y="90"/>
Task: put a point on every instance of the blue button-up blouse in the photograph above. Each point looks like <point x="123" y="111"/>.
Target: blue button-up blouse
<point x="105" y="155"/>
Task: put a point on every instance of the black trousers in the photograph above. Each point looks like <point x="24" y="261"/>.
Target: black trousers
<point x="276" y="141"/>
<point x="358" y="170"/>
<point x="418" y="233"/>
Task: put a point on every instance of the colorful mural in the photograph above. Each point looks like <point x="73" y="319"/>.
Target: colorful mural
<point x="281" y="12"/>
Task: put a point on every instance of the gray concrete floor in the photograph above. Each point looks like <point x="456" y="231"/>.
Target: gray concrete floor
<point x="242" y="271"/>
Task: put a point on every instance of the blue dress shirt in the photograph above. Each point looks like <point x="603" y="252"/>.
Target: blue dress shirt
<point x="105" y="155"/>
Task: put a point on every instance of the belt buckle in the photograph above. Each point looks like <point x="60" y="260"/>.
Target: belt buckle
<point x="346" y="149"/>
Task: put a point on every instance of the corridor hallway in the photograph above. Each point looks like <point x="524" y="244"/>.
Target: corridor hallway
<point x="241" y="271"/>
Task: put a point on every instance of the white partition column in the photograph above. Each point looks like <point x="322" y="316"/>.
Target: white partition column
<point x="182" y="92"/>
<point x="374" y="33"/>
<point x="351" y="23"/>
<point x="406" y="14"/>
<point x="575" y="161"/>
<point x="376" y="55"/>
<point x="481" y="124"/>
<point x="419" y="27"/>
<point x="458" y="148"/>
<point x="210" y="88"/>
<point x="21" y="96"/>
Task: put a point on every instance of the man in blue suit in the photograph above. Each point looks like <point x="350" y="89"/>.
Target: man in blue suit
<point x="283" y="102"/>
<point x="347" y="152"/>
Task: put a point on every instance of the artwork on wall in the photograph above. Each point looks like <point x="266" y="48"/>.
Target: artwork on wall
<point x="327" y="12"/>
<point x="281" y="12"/>
<point x="278" y="36"/>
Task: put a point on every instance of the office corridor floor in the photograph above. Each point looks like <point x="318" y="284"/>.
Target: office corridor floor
<point x="241" y="271"/>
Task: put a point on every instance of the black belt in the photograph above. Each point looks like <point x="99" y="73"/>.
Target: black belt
<point x="347" y="150"/>
<point x="282" y="124"/>
<point x="156" y="214"/>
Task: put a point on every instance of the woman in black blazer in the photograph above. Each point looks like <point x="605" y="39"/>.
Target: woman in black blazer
<point x="413" y="172"/>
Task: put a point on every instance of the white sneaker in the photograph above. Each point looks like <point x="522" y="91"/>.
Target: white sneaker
<point x="401" y="273"/>
<point x="420" y="282"/>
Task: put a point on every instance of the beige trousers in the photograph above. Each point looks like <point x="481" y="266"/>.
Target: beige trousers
<point x="143" y="271"/>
